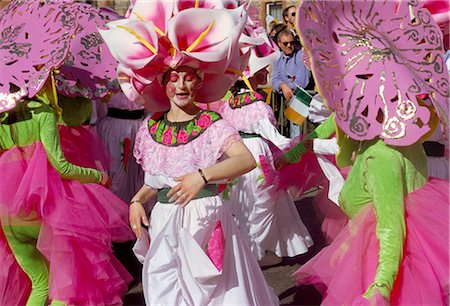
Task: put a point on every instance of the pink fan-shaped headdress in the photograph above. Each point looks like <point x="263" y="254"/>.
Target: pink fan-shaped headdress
<point x="35" y="39"/>
<point x="162" y="35"/>
<point x="89" y="70"/>
<point x="379" y="65"/>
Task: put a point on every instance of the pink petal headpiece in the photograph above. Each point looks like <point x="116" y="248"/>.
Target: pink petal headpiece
<point x="35" y="39"/>
<point x="89" y="70"/>
<point x="262" y="55"/>
<point x="379" y="65"/>
<point x="162" y="35"/>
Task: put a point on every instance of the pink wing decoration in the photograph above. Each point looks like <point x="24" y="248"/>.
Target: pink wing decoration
<point x="35" y="39"/>
<point x="89" y="70"/>
<point x="379" y="65"/>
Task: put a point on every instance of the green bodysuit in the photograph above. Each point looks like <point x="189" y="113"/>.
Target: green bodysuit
<point x="382" y="175"/>
<point x="30" y="122"/>
<point x="35" y="121"/>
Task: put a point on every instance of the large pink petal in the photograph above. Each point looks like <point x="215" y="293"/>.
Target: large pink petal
<point x="129" y="84"/>
<point x="125" y="47"/>
<point x="181" y="5"/>
<point x="215" y="48"/>
<point x="263" y="55"/>
<point x="141" y="91"/>
<point x="156" y="11"/>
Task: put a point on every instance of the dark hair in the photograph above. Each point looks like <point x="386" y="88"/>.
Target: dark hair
<point x="284" y="32"/>
<point x="286" y="11"/>
<point x="277" y="29"/>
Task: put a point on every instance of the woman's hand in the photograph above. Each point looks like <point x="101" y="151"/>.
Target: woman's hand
<point x="137" y="218"/>
<point x="190" y="185"/>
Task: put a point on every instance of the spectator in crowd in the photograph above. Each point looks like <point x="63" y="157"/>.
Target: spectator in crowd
<point x="276" y="30"/>
<point x="289" y="20"/>
<point x="289" y="72"/>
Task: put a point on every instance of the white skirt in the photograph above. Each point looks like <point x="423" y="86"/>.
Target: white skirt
<point x="177" y="269"/>
<point x="267" y="220"/>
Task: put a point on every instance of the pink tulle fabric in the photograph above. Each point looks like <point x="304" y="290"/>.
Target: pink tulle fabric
<point x="14" y="283"/>
<point x="78" y="224"/>
<point x="216" y="246"/>
<point x="345" y="269"/>
<point x="330" y="216"/>
<point x="83" y="147"/>
<point x="246" y="118"/>
<point x="202" y="152"/>
<point x="302" y="175"/>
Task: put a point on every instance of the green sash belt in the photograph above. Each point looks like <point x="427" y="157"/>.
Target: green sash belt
<point x="210" y="190"/>
<point x="247" y="135"/>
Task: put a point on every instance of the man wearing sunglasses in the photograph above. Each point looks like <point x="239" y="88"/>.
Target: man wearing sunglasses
<point x="289" y="72"/>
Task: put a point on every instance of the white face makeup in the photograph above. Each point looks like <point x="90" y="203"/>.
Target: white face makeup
<point x="182" y="85"/>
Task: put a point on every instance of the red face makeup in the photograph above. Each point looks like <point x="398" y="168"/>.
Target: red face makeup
<point x="182" y="85"/>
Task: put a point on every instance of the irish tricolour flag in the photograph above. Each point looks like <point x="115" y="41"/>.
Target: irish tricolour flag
<point x="298" y="107"/>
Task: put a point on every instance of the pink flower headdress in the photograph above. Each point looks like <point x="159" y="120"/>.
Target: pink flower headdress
<point x="264" y="54"/>
<point x="35" y="39"/>
<point x="379" y="65"/>
<point x="89" y="70"/>
<point x="161" y="35"/>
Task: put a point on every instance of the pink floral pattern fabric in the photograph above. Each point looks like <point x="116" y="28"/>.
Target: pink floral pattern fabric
<point x="216" y="246"/>
<point x="174" y="134"/>
<point x="202" y="151"/>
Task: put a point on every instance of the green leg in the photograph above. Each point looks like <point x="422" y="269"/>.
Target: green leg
<point x="22" y="241"/>
<point x="57" y="303"/>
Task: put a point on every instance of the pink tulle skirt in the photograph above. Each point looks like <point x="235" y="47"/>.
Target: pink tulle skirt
<point x="79" y="222"/>
<point x="14" y="283"/>
<point x="345" y="269"/>
<point x="302" y="175"/>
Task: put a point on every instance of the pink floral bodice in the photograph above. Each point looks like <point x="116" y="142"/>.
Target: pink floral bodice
<point x="206" y="149"/>
<point x="247" y="118"/>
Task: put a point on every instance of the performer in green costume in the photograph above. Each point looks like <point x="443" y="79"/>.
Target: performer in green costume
<point x="395" y="249"/>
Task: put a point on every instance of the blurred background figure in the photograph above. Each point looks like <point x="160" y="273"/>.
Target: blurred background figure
<point x="118" y="130"/>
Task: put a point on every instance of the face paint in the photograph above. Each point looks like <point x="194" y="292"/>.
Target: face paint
<point x="182" y="86"/>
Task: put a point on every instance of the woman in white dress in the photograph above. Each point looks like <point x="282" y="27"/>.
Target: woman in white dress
<point x="193" y="253"/>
